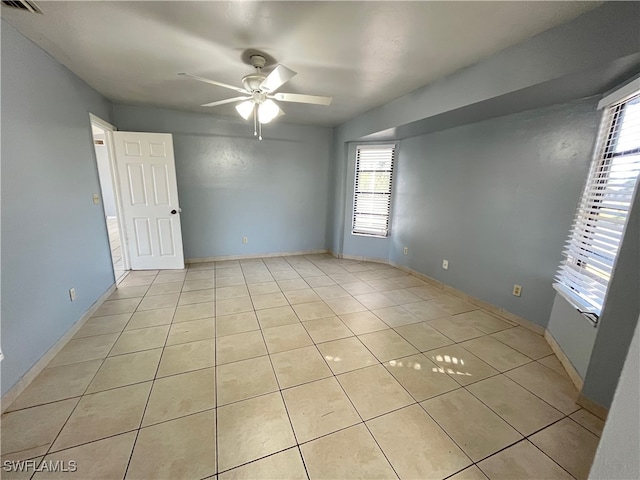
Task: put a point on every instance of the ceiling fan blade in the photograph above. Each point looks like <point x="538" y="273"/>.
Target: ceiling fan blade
<point x="222" y="102"/>
<point x="299" y="98"/>
<point x="278" y="77"/>
<point x="213" y="82"/>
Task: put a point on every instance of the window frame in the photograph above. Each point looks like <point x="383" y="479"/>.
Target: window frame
<point x="586" y="221"/>
<point x="394" y="151"/>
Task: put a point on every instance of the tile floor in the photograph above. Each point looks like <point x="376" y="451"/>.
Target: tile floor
<point x="299" y="367"/>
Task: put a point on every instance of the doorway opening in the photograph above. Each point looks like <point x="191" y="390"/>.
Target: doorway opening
<point x="102" y="144"/>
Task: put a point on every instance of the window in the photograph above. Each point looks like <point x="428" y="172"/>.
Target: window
<point x="372" y="195"/>
<point x="594" y="241"/>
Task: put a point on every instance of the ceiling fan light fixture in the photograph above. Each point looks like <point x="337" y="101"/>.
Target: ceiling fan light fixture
<point x="245" y="109"/>
<point x="268" y="110"/>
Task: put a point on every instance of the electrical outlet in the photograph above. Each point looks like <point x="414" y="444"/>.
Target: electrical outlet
<point x="96" y="198"/>
<point x="445" y="264"/>
<point x="72" y="294"/>
<point x="517" y="290"/>
<point x="245" y="240"/>
<point x="405" y="251"/>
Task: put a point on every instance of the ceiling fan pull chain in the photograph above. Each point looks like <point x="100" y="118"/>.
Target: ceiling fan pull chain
<point x="255" y="120"/>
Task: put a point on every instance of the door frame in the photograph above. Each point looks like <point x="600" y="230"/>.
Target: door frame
<point x="109" y="129"/>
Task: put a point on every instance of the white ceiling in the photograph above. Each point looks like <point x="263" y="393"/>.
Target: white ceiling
<point x="361" y="53"/>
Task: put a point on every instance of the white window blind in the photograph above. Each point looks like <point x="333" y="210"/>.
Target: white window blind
<point x="594" y="241"/>
<point x="372" y="195"/>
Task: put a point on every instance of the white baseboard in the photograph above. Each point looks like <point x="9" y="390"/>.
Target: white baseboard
<point x="564" y="360"/>
<point x="19" y="387"/>
<point x="221" y="258"/>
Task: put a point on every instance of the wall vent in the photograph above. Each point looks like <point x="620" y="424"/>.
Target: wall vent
<point x="25" y="5"/>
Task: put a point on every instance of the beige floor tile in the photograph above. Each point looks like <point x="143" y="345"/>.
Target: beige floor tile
<point x="313" y="311"/>
<point x="346" y="354"/>
<point x="228" y="272"/>
<point x="425" y="310"/>
<point x="422" y="336"/>
<point x="415" y="445"/>
<point x="151" y="318"/>
<point x="104" y="414"/>
<point x="234" y="291"/>
<point x="181" y="448"/>
<point x="387" y="345"/>
<point x="84" y="349"/>
<point x="133" y="281"/>
<point x="343" y="278"/>
<point x="192" y="331"/>
<point x="471" y="473"/>
<point x="363" y="322"/>
<point x="347" y="454"/>
<point x="234" y="305"/>
<point x="196" y="296"/>
<point x="236" y="323"/>
<point x="483" y="321"/>
<point x="287" y="464"/>
<point x="358" y="288"/>
<point x="345" y="305"/>
<point x="126" y="369"/>
<point x="184" y="313"/>
<point x="164" y="288"/>
<point x="187" y="357"/>
<point x="305" y="295"/>
<point x="471" y="424"/>
<point x="374" y="391"/>
<point x="381" y="284"/>
<point x="169" y="277"/>
<point x="286" y="337"/>
<point x="104" y="459"/>
<point x="137" y="291"/>
<point x="269" y="300"/>
<point x="285" y="275"/>
<point x="522" y="460"/>
<point x="570" y="445"/>
<point x="553" y="388"/>
<point x="275" y="317"/>
<point x="239" y="347"/>
<point x="375" y="300"/>
<point x="235" y="280"/>
<point x="554" y="364"/>
<point x="103" y="325"/>
<point x="327" y="329"/>
<point x="28" y="433"/>
<point x="425" y="292"/>
<point x="420" y="377"/>
<point x="589" y="421"/>
<point x="262" y="288"/>
<point x="202" y="284"/>
<point x="113" y="307"/>
<point x="452" y="305"/>
<point x="516" y="405"/>
<point x="159" y="301"/>
<point x="319" y="408"/>
<point x="195" y="275"/>
<point x="298" y="366"/>
<point x="57" y="383"/>
<point x="525" y="341"/>
<point x="180" y="395"/>
<point x="395" y="316"/>
<point x="464" y="367"/>
<point x="402" y="297"/>
<point x="331" y="291"/>
<point x="291" y="284"/>
<point x="495" y="353"/>
<point x="252" y="429"/>
<point x="406" y="281"/>
<point x="245" y="379"/>
<point x="141" y="339"/>
<point x="258" y="278"/>
<point x="456" y="329"/>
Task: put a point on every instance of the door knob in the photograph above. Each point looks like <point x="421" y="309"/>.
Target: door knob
<point x="173" y="212"/>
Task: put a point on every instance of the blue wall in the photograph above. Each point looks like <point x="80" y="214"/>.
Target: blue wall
<point x="53" y="236"/>
<point x="274" y="191"/>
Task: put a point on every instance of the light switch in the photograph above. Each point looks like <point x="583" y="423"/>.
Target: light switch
<point x="96" y="198"/>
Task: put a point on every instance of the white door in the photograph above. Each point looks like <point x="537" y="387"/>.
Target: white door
<point x="149" y="196"/>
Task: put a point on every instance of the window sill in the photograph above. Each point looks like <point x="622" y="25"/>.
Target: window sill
<point x="571" y="299"/>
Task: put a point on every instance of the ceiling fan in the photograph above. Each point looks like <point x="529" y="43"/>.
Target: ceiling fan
<point x="260" y="92"/>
